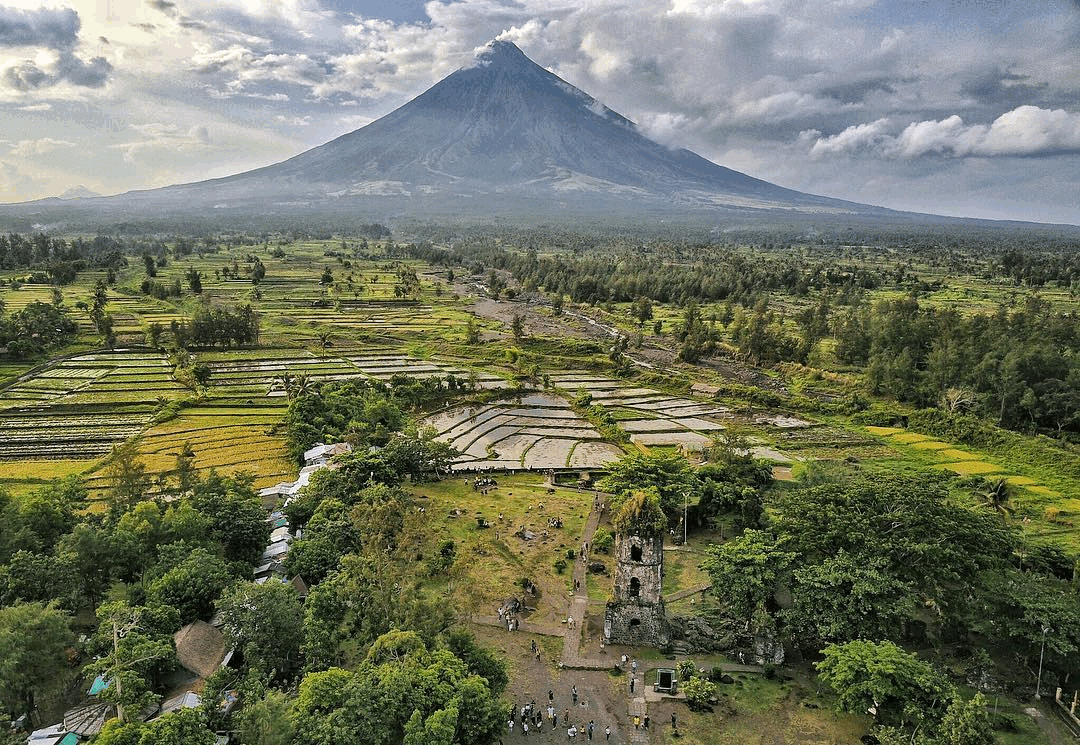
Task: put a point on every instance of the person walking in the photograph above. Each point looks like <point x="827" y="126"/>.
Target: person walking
<point x="571" y="733"/>
<point x="631" y="684"/>
<point x="551" y="695"/>
<point x="590" y="728"/>
<point x="637" y="722"/>
<point x="673" y="725"/>
<point x="525" y="728"/>
<point x="607" y="732"/>
<point x="573" y="693"/>
<point x="645" y="721"/>
<point x="510" y="724"/>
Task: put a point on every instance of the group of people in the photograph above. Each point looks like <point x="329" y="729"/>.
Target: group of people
<point x="482" y="485"/>
<point x="530" y="718"/>
<point x="512" y="621"/>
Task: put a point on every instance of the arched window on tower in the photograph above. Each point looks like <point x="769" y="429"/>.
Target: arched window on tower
<point x="635" y="552"/>
<point x="635" y="587"/>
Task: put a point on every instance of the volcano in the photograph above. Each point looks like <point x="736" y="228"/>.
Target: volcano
<point x="500" y="137"/>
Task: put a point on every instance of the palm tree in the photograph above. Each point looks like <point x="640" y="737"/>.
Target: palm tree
<point x="995" y="494"/>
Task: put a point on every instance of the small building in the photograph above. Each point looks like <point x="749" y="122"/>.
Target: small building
<point x="200" y="648"/>
<point x="322" y="454"/>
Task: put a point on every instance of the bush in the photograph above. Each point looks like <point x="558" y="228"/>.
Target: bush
<point x="560" y="565"/>
<point x="699" y="692"/>
<point x="603" y="540"/>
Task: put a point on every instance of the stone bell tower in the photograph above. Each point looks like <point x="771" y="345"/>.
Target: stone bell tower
<point x="635" y="612"/>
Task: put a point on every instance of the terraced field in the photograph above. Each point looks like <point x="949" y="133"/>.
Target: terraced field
<point x="245" y="375"/>
<point x="1046" y="511"/>
<point x="542" y="431"/>
<point x="536" y="432"/>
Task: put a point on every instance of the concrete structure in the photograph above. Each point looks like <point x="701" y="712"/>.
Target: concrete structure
<point x="635" y="614"/>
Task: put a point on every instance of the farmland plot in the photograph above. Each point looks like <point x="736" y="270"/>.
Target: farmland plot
<point x="538" y="431"/>
<point x="80" y="407"/>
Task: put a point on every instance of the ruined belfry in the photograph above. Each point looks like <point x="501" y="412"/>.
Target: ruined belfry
<point x="635" y="613"/>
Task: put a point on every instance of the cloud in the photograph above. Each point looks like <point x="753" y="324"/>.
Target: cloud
<point x="27" y="75"/>
<point x="33" y="148"/>
<point x="165" y="6"/>
<point x="1026" y="131"/>
<point x="55" y="28"/>
<point x="872" y="136"/>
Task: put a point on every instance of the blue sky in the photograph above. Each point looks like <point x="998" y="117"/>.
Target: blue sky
<point x="963" y="107"/>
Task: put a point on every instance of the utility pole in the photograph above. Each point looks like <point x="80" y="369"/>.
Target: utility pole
<point x="1042" y="649"/>
<point x="685" y="507"/>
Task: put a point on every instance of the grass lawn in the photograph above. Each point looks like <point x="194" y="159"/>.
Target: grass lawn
<point x="495" y="558"/>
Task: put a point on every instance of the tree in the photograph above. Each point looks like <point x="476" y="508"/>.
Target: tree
<point x="192" y="585"/>
<point x="182" y="727"/>
<point x="265" y="623"/>
<point x="33" y="658"/>
<point x="746" y="571"/>
<point x="669" y="473"/>
<point x="132" y="643"/>
<point x="237" y="518"/>
<point x="194" y="279"/>
<point x="995" y="494"/>
<point x="845" y="598"/>
<point x="153" y="334"/>
<point x="404" y="691"/>
<point x="881" y="678"/>
<point x="481" y="661"/>
<point x="327" y="277"/>
<point x="186" y="475"/>
<point x="89" y="550"/>
<point x="129" y="480"/>
<point x="642" y="310"/>
<point x="266" y="721"/>
<point x="517" y="326"/>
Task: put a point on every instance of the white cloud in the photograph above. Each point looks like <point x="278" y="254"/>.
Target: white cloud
<point x="33" y="148"/>
<point x="853" y="139"/>
<point x="1025" y="131"/>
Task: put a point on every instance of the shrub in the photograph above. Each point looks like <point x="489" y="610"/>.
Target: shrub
<point x="560" y="565"/>
<point x="603" y="540"/>
<point x="699" y="692"/>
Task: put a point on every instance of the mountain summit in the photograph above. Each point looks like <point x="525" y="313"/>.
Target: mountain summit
<point x="499" y="137"/>
<point x="503" y="123"/>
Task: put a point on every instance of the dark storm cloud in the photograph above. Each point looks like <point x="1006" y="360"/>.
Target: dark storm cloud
<point x="46" y="27"/>
<point x="25" y="76"/>
<point x="91" y="74"/>
<point x="165" y="6"/>
<point x="1000" y="87"/>
<point x="857" y="91"/>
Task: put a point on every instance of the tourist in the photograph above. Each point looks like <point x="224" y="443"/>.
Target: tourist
<point x="637" y="722"/>
<point x="590" y="728"/>
<point x="510" y="724"/>
<point x="645" y="721"/>
<point x="571" y="733"/>
<point x="525" y="728"/>
<point x="573" y="693"/>
<point x="673" y="725"/>
<point x="607" y="732"/>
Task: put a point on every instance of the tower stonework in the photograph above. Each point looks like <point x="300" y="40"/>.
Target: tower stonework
<point x="635" y="613"/>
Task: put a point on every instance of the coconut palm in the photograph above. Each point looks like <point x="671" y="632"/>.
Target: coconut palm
<point x="995" y="494"/>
